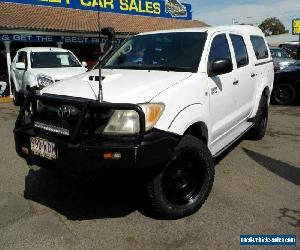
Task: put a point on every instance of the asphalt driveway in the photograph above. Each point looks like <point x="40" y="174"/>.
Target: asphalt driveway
<point x="256" y="191"/>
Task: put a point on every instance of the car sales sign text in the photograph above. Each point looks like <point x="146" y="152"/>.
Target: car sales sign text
<point x="296" y="27"/>
<point x="154" y="8"/>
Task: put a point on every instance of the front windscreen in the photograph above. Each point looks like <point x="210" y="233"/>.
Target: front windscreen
<point x="53" y="60"/>
<point x="178" y="51"/>
<point x="279" y="53"/>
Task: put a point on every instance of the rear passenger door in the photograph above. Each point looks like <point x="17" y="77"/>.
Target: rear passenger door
<point x="244" y="85"/>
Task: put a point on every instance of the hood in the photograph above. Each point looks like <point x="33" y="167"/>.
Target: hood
<point x="284" y="60"/>
<point x="291" y="68"/>
<point x="119" y="86"/>
<point x="59" y="73"/>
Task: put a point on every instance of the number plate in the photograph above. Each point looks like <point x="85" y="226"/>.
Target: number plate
<point x="43" y="148"/>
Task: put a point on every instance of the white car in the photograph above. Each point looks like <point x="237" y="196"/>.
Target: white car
<point x="172" y="101"/>
<point x="38" y="67"/>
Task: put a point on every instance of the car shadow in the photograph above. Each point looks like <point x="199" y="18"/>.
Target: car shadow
<point x="292" y="216"/>
<point x="104" y="197"/>
<point x="282" y="169"/>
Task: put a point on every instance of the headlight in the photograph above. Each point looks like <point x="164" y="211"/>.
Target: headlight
<point x="125" y="122"/>
<point x="44" y="81"/>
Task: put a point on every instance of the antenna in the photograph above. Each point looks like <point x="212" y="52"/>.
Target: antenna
<point x="100" y="92"/>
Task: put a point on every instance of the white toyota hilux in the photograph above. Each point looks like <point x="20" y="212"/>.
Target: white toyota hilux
<point x="172" y="101"/>
<point x="38" y="67"/>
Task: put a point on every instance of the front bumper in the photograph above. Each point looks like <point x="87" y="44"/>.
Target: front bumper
<point x="86" y="157"/>
<point x="82" y="152"/>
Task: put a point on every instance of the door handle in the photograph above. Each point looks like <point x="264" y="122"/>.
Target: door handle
<point x="236" y="82"/>
<point x="253" y="75"/>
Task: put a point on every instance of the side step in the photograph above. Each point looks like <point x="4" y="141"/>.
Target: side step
<point x="230" y="138"/>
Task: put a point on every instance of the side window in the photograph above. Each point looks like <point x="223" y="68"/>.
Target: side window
<point x="22" y="57"/>
<point x="260" y="47"/>
<point x="240" y="50"/>
<point x="219" y="49"/>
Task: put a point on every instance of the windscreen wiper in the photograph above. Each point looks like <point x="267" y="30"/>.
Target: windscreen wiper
<point x="168" y="68"/>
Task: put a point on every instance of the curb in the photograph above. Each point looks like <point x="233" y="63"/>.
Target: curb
<point x="6" y="99"/>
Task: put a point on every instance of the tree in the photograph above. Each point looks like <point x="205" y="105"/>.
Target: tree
<point x="272" y="26"/>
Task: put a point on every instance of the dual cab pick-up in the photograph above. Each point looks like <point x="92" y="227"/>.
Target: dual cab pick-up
<point x="173" y="100"/>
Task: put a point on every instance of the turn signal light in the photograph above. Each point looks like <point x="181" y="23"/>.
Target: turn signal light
<point x="112" y="155"/>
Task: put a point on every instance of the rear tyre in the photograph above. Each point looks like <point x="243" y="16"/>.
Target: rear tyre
<point x="185" y="182"/>
<point x="261" y="120"/>
<point x="284" y="94"/>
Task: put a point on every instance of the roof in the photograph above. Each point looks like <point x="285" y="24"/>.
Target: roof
<point x="283" y="38"/>
<point x="43" y="49"/>
<point x="23" y="16"/>
<point x="244" y="29"/>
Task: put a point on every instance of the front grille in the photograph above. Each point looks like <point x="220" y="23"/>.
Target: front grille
<point x="82" y="121"/>
<point x="59" y="118"/>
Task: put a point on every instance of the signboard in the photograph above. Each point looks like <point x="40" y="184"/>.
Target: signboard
<point x="153" y="8"/>
<point x="53" y="39"/>
<point x="296" y="27"/>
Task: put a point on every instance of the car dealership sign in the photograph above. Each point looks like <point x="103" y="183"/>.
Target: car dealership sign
<point x="296" y="27"/>
<point x="154" y="8"/>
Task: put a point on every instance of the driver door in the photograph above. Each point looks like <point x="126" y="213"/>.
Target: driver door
<point x="223" y="101"/>
<point x="20" y="73"/>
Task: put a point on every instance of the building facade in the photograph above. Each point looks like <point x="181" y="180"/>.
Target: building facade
<point x="24" y="25"/>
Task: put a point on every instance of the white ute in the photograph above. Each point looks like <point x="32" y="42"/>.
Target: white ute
<point x="38" y="67"/>
<point x="173" y="100"/>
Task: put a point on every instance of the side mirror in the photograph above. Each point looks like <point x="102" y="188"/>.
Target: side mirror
<point x="84" y="64"/>
<point x="220" y="67"/>
<point x="20" y="66"/>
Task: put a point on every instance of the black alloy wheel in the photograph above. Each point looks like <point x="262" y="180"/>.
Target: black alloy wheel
<point x="183" y="179"/>
<point x="284" y="94"/>
<point x="182" y="186"/>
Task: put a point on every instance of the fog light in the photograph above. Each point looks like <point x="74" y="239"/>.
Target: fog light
<point x="112" y="155"/>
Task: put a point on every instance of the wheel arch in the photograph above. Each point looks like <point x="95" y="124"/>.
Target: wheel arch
<point x="191" y="120"/>
<point x="266" y="92"/>
<point x="199" y="130"/>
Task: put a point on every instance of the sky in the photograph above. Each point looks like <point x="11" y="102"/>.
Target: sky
<point x="218" y="12"/>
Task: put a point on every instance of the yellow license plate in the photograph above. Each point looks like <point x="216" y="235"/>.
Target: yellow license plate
<point x="43" y="148"/>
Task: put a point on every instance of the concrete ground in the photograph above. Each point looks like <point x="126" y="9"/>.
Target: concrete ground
<point x="256" y="191"/>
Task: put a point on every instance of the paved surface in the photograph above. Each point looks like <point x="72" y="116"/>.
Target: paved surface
<point x="256" y="191"/>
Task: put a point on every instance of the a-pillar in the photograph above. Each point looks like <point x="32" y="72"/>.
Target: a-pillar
<point x="8" y="61"/>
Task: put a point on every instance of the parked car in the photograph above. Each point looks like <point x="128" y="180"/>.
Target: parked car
<point x="38" y="67"/>
<point x="287" y="85"/>
<point x="292" y="48"/>
<point x="165" y="116"/>
<point x="281" y="59"/>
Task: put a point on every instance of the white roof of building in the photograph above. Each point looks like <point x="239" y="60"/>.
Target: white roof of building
<point x="283" y="38"/>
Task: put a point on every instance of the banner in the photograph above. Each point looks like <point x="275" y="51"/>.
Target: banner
<point x="54" y="39"/>
<point x="296" y="27"/>
<point x="153" y="8"/>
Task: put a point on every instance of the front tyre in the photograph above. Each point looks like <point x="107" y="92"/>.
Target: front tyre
<point x="261" y="120"/>
<point x="185" y="182"/>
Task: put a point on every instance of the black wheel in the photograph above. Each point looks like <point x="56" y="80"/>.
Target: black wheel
<point x="261" y="120"/>
<point x="284" y="94"/>
<point x="185" y="182"/>
<point x="17" y="97"/>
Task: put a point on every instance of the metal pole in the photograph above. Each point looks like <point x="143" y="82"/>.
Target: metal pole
<point x="8" y="61"/>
